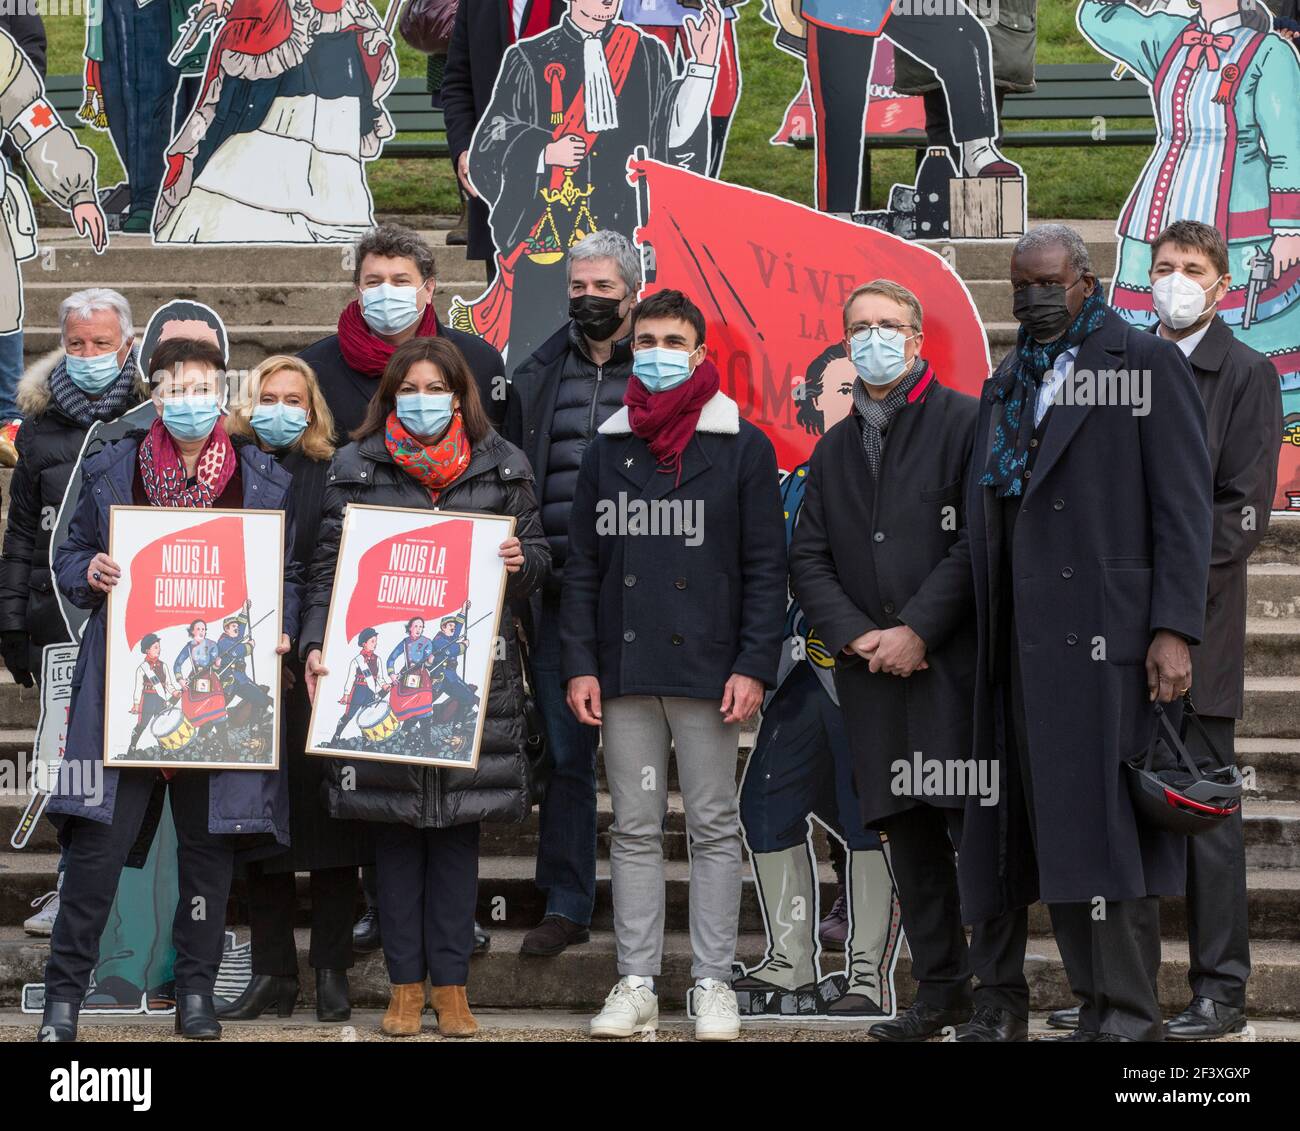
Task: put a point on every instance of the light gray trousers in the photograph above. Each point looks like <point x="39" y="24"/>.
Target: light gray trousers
<point x="638" y="732"/>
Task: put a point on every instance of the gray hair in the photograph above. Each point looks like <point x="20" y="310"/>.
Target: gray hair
<point x="83" y="304"/>
<point x="608" y="244"/>
<point x="886" y="288"/>
<point x="1056" y="235"/>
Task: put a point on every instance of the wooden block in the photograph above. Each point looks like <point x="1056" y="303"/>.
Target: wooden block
<point x="987" y="208"/>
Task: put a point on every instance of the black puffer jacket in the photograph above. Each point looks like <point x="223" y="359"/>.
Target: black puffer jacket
<point x="497" y="481"/>
<point x="558" y="398"/>
<point x="48" y="443"/>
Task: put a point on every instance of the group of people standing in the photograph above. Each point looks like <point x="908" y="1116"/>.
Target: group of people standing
<point x="1012" y="582"/>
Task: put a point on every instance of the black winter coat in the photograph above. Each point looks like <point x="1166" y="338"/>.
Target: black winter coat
<point x="558" y="398"/>
<point x="498" y="480"/>
<point x="348" y="391"/>
<point x="1243" y="410"/>
<point x="872" y="555"/>
<point x="1112" y="542"/>
<point x="48" y="443"/>
<point x="479" y="39"/>
<point x="673" y="586"/>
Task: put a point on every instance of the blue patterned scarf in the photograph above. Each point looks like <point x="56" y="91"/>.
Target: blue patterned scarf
<point x="1017" y="388"/>
<point x="115" y="400"/>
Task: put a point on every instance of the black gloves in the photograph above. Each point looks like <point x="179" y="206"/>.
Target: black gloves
<point x="14" y="652"/>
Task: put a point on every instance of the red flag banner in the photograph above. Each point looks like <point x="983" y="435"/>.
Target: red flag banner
<point x="772" y="276"/>
<point x="420" y="573"/>
<point x="198" y="572"/>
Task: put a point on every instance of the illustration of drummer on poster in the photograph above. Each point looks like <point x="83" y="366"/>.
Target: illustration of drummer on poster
<point x="411" y="636"/>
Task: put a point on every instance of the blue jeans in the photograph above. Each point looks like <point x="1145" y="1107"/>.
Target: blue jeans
<point x="11" y="370"/>
<point x="566" y="850"/>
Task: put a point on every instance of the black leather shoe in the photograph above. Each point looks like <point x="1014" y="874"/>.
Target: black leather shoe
<point x="196" y="1019"/>
<point x="1204" y="1020"/>
<point x="59" y="1022"/>
<point x="989" y="1024"/>
<point x="552" y="935"/>
<point x="333" y="1000"/>
<point x="1064" y="1018"/>
<point x="482" y="940"/>
<point x="919" y="1022"/>
<point x="1079" y="1036"/>
<point x="365" y="932"/>
<point x="263" y="992"/>
<point x="1113" y="1039"/>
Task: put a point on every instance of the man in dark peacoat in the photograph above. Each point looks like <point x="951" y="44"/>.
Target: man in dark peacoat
<point x="1243" y="407"/>
<point x="880" y="565"/>
<point x="1090" y="546"/>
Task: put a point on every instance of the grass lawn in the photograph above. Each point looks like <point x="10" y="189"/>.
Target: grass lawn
<point x="1079" y="183"/>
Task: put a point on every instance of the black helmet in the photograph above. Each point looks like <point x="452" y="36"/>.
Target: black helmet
<point x="1170" y="791"/>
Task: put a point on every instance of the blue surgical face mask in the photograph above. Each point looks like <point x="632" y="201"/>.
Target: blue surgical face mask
<point x="93" y="374"/>
<point x="878" y="360"/>
<point x="278" y="425"/>
<point x="388" y="309"/>
<point x="190" y="418"/>
<point x="660" y="369"/>
<point x="424" y="414"/>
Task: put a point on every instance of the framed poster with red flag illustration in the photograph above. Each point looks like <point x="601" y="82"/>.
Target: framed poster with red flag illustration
<point x="193" y="678"/>
<point x="411" y="636"/>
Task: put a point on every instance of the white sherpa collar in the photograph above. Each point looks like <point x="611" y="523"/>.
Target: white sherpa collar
<point x="720" y="414"/>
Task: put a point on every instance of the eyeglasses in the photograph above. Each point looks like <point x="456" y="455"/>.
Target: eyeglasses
<point x="886" y="332"/>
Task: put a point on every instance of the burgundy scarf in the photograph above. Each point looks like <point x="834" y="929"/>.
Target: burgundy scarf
<point x="163" y="473"/>
<point x="365" y="350"/>
<point x="666" y="421"/>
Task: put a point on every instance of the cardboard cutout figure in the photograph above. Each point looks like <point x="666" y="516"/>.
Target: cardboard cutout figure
<point x="1226" y="93"/>
<point x="982" y="198"/>
<point x="64" y="170"/>
<point x="291" y="110"/>
<point x="550" y="154"/>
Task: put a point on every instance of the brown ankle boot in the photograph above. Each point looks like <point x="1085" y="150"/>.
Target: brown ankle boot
<point x="452" y="1008"/>
<point x="404" y="1009"/>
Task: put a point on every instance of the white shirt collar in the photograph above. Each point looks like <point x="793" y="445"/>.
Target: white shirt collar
<point x="1224" y="23"/>
<point x="1188" y="344"/>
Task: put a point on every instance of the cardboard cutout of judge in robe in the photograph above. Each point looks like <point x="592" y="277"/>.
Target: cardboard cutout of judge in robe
<point x="1227" y="107"/>
<point x="983" y="195"/>
<point x="550" y="153"/>
<point x="291" y="111"/>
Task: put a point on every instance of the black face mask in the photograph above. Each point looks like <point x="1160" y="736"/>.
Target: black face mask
<point x="596" y="317"/>
<point x="1042" y="310"/>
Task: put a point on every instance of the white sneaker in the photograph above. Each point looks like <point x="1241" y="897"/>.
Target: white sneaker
<point x="717" y="1017"/>
<point x="628" y="1010"/>
<point x="42" y="923"/>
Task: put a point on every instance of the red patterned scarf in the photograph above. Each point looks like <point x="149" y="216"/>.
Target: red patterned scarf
<point x="666" y="421"/>
<point x="365" y="350"/>
<point x="163" y="473"/>
<point x="436" y="465"/>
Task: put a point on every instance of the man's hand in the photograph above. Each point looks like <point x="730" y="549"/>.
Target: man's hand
<point x="568" y="152"/>
<point x="512" y="553"/>
<point x="863" y="646"/>
<point x="898" y="651"/>
<point x="281" y="649"/>
<point x="89" y="222"/>
<point x="462" y="173"/>
<point x="742" y="696"/>
<point x="1169" y="667"/>
<point x="103" y="573"/>
<point x="705" y="34"/>
<point x="1286" y="252"/>
<point x="315" y="669"/>
<point x="584" y="699"/>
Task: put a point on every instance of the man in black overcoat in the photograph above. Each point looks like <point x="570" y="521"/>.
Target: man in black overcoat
<point x="1089" y="516"/>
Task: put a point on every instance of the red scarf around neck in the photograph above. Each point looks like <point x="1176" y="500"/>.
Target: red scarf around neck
<point x="365" y="350"/>
<point x="666" y="421"/>
<point x="436" y="466"/>
<point x="163" y="473"/>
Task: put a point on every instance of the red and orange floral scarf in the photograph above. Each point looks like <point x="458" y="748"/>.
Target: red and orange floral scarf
<point x="436" y="466"/>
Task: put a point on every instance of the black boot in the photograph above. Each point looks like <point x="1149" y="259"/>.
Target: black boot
<point x="365" y="932"/>
<point x="59" y="1022"/>
<point x="263" y="992"/>
<point x="333" y="1002"/>
<point x="1204" y="1019"/>
<point x="919" y="1022"/>
<point x="196" y="1019"/>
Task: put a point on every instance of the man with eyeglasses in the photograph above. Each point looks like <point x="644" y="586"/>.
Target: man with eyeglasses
<point x="880" y="565"/>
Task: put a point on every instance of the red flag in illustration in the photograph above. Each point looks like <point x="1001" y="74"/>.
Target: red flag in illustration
<point x="419" y="573"/>
<point x="772" y="277"/>
<point x="193" y="573"/>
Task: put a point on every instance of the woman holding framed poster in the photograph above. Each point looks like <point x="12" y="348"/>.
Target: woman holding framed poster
<point x="425" y="443"/>
<point x="286" y="416"/>
<point x="185" y="460"/>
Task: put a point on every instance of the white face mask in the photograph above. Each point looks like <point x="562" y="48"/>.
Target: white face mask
<point x="1180" y="301"/>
